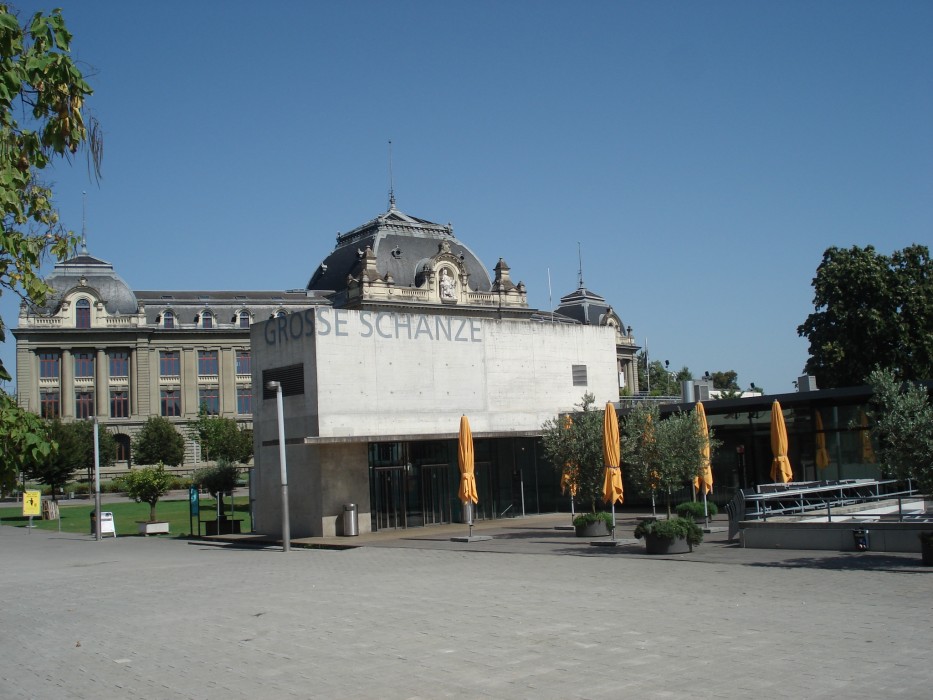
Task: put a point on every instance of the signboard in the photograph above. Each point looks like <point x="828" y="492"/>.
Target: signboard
<point x="106" y="524"/>
<point x="193" y="500"/>
<point x="32" y="503"/>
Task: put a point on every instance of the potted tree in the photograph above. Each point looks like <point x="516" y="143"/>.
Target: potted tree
<point x="219" y="480"/>
<point x="574" y="444"/>
<point x="148" y="485"/>
<point x="664" y="456"/>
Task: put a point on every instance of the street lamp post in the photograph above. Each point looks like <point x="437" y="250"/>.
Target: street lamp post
<point x="286" y="528"/>
<point x="97" y="479"/>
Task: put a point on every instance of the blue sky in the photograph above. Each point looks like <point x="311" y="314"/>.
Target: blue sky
<point x="702" y="155"/>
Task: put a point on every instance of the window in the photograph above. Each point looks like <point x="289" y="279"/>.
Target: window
<point x="207" y="363"/>
<point x="48" y="365"/>
<point x="119" y="364"/>
<point x="84" y="365"/>
<point x="207" y="320"/>
<point x="84" y="404"/>
<point x="171" y="402"/>
<point x="168" y="320"/>
<point x="209" y="399"/>
<point x="244" y="400"/>
<point x="579" y="375"/>
<point x="83" y="314"/>
<point x="243" y="362"/>
<point x="119" y="404"/>
<point x="48" y="404"/>
<point x="169" y="363"/>
<point x="244" y="319"/>
<point x="123" y="447"/>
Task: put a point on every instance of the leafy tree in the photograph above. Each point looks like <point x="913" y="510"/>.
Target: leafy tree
<point x="902" y="416"/>
<point x="726" y="381"/>
<point x="662" y="456"/>
<point x="75" y="451"/>
<point x="148" y="485"/>
<point x="42" y="96"/>
<point x="218" y="480"/>
<point x="663" y="382"/>
<point x="222" y="438"/>
<point x="576" y="445"/>
<point x="159" y="443"/>
<point x="872" y="311"/>
<point x="24" y="440"/>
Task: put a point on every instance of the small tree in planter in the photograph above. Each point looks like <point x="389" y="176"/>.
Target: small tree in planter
<point x="148" y="485"/>
<point x="662" y="536"/>
<point x="576" y="447"/>
<point x="218" y="480"/>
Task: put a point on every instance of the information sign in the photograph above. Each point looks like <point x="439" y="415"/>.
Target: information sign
<point x="32" y="503"/>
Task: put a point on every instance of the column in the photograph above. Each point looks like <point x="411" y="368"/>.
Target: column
<point x="102" y="384"/>
<point x="68" y="384"/>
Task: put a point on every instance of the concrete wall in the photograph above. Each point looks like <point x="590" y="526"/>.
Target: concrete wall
<point x="371" y="375"/>
<point x="836" y="536"/>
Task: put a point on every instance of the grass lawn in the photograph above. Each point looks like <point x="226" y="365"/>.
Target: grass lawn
<point x="76" y="517"/>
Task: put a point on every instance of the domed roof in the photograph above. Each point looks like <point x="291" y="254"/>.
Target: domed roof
<point x="84" y="270"/>
<point x="588" y="308"/>
<point x="401" y="245"/>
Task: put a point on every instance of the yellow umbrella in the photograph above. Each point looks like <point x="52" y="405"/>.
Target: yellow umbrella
<point x="612" y="456"/>
<point x="467" y="492"/>
<point x="868" y="454"/>
<point x="704" y="480"/>
<point x="567" y="482"/>
<point x="780" y="465"/>
<point x="822" y="454"/>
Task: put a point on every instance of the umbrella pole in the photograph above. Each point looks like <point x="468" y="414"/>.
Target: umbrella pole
<point x="613" y="520"/>
<point x="654" y="513"/>
<point x="705" y="508"/>
<point x="572" y="514"/>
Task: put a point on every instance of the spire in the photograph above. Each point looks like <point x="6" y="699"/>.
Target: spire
<point x="391" y="181"/>
<point x="84" y="223"/>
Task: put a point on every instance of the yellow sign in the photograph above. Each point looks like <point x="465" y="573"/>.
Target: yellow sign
<point x="32" y="503"/>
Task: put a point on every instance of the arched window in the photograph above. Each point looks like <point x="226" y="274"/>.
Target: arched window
<point x="244" y="319"/>
<point x="207" y="320"/>
<point x="168" y="320"/>
<point x="123" y="447"/>
<point x="83" y="314"/>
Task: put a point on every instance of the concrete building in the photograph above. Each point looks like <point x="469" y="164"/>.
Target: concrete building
<point x="97" y="348"/>
<point x="418" y="334"/>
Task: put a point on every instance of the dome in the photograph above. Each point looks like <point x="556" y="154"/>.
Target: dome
<point x="401" y="244"/>
<point x="86" y="271"/>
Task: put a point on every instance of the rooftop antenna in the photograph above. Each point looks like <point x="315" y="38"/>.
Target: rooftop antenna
<point x="391" y="180"/>
<point x="84" y="223"/>
<point x="580" y="256"/>
<point x="550" y="302"/>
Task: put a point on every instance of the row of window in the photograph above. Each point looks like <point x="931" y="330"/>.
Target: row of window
<point x="170" y="402"/>
<point x="169" y="364"/>
<point x="203" y="320"/>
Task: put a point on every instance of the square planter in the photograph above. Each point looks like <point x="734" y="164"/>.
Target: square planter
<point x="159" y="527"/>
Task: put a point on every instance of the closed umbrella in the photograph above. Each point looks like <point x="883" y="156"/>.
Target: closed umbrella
<point x="780" y="465"/>
<point x="704" y="480"/>
<point x="612" y="488"/>
<point x="822" y="454"/>
<point x="467" y="492"/>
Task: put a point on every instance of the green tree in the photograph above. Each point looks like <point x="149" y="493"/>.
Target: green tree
<point x="662" y="456"/>
<point x="656" y="377"/>
<point x="158" y="443"/>
<point x="218" y="480"/>
<point x="75" y="451"/>
<point x="222" y="438"/>
<point x="871" y="311"/>
<point x="726" y="381"/>
<point x="24" y="440"/>
<point x="577" y="447"/>
<point x="902" y="417"/>
<point x="42" y="96"/>
<point x="147" y="485"/>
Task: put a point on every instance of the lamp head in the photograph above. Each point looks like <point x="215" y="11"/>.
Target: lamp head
<point x="273" y="386"/>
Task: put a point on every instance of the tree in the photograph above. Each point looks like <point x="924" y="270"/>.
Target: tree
<point x="656" y="377"/>
<point x="576" y="446"/>
<point x="871" y="311"/>
<point x="726" y="381"/>
<point x="902" y="416"/>
<point x="662" y="456"/>
<point x="221" y="438"/>
<point x="75" y="451"/>
<point x="24" y="440"/>
<point x="218" y="480"/>
<point x="42" y="96"/>
<point x="159" y="443"/>
<point x="147" y="485"/>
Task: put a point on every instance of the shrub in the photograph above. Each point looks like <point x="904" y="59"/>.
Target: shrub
<point x="671" y="529"/>
<point x="585" y="519"/>
<point x="694" y="509"/>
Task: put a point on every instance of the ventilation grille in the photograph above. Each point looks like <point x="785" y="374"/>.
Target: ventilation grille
<point x="579" y="375"/>
<point x="292" y="379"/>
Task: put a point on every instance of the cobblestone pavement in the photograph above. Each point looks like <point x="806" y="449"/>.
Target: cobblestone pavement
<point x="532" y="613"/>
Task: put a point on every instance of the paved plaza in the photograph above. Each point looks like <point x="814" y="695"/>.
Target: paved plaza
<point x="532" y="613"/>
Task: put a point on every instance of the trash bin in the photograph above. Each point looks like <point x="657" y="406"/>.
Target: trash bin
<point x="861" y="540"/>
<point x="93" y="523"/>
<point x="351" y="522"/>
